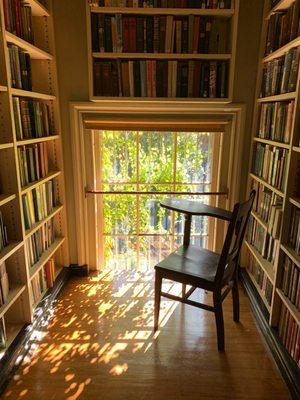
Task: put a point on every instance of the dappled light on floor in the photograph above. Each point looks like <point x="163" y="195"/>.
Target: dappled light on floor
<point x="99" y="343"/>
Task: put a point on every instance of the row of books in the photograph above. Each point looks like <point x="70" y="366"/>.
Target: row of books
<point x="291" y="281"/>
<point x="38" y="203"/>
<point x="32" y="118"/>
<point x="280" y="75"/>
<point x="294" y="238"/>
<point x="204" y="4"/>
<point x="40" y="241"/>
<point x="18" y="19"/>
<point x="270" y="163"/>
<point x="262" y="240"/>
<point x="266" y="202"/>
<point x="3" y="233"/>
<point x="283" y="27"/>
<point x="289" y="333"/>
<point x="42" y="281"/>
<point x="158" y="34"/>
<point x="276" y="121"/>
<point x="152" y="78"/>
<point x="33" y="162"/>
<point x="20" y="68"/>
<point x="261" y="279"/>
<point x="4" y="284"/>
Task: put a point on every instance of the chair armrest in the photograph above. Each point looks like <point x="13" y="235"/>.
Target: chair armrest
<point x="190" y="207"/>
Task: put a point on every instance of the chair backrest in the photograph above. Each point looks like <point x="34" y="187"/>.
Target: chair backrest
<point x="234" y="239"/>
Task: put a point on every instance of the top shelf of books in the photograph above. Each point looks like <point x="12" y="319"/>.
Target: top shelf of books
<point x="225" y="13"/>
<point x="280" y="5"/>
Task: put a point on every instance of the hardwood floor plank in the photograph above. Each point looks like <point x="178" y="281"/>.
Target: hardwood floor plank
<point x="100" y="344"/>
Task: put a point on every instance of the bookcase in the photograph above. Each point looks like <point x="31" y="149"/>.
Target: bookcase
<point x="162" y="49"/>
<point x="272" y="241"/>
<point x="33" y="247"/>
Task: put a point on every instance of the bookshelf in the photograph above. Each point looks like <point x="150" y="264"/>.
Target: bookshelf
<point x="277" y="183"/>
<point x="171" y="55"/>
<point x="30" y="144"/>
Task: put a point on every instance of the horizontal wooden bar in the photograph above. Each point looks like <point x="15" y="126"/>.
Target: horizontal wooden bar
<point x="189" y="302"/>
<point x="102" y="192"/>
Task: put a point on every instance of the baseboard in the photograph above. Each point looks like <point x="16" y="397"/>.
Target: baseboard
<point x="286" y="365"/>
<point x="79" y="270"/>
<point x="18" y="349"/>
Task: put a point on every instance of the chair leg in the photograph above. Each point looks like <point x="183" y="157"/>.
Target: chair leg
<point x="157" y="296"/>
<point x="236" y="301"/>
<point x="219" y="320"/>
<point x="183" y="290"/>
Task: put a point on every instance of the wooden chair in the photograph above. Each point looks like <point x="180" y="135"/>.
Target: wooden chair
<point x="204" y="269"/>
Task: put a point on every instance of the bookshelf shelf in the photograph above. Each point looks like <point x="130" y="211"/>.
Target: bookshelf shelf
<point x="272" y="142"/>
<point x="3" y="88"/>
<point x="14" y="293"/>
<point x="6" y="146"/>
<point x="163" y="56"/>
<point x="9" y="250"/>
<point x="225" y="13"/>
<point x="34" y="95"/>
<point x="291" y="254"/>
<point x="260" y="292"/>
<point x="34" y="52"/>
<point x="38" y="225"/>
<point x="12" y="331"/>
<point x="284" y="49"/>
<point x="266" y="184"/>
<point x="296" y="149"/>
<point x="6" y="198"/>
<point x="264" y="264"/>
<point x="163" y="99"/>
<point x="34" y="185"/>
<point x="282" y="5"/>
<point x="37" y="140"/>
<point x="38" y="9"/>
<point x="258" y="219"/>
<point x="46" y="257"/>
<point x="277" y="97"/>
<point x="290" y="306"/>
<point x="295" y="201"/>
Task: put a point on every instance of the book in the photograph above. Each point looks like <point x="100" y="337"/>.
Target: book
<point x="3" y="233"/>
<point x="18" y="19"/>
<point x="20" y="67"/>
<point x="204" y="4"/>
<point x="4" y="283"/>
<point x="289" y="333"/>
<point x="294" y="237"/>
<point x="33" y="162"/>
<point x="261" y="279"/>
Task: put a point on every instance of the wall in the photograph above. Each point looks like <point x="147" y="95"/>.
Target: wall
<point x="71" y="47"/>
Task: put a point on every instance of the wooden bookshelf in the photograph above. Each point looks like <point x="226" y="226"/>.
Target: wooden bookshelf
<point x="18" y="308"/>
<point x="290" y="199"/>
<point x="229" y="15"/>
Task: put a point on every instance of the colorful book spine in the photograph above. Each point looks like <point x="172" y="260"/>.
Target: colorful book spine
<point x="43" y="281"/>
<point x="261" y="279"/>
<point x="39" y="242"/>
<point x="290" y="283"/>
<point x="266" y="202"/>
<point x="33" y="162"/>
<point x="202" y="4"/>
<point x="294" y="237"/>
<point x="20" y="68"/>
<point x="3" y="233"/>
<point x="18" y="19"/>
<point x="201" y="79"/>
<point x="289" y="333"/>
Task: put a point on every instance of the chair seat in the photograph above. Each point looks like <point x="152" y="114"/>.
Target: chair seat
<point x="192" y="261"/>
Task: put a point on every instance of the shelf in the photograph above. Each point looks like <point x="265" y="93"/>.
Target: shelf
<point x="296" y="149"/>
<point x="4" y="146"/>
<point x="291" y="254"/>
<point x="197" y="100"/>
<point x="34" y="52"/>
<point x="163" y="56"/>
<point x="278" y="97"/>
<point x="6" y="198"/>
<point x="35" y="95"/>
<point x="264" y="264"/>
<point x="289" y="305"/>
<point x="272" y="142"/>
<point x="225" y="13"/>
<point x="39" y="299"/>
<point x="259" y="220"/>
<point x="282" y="50"/>
<point x="266" y="184"/>
<point x="37" y="140"/>
<point x="46" y="257"/>
<point x="38" y="183"/>
<point x="38" y="9"/>
<point x="260" y="292"/>
<point x="12" y="331"/>
<point x="13" y="295"/>
<point x="9" y="250"/>
<point x="38" y="225"/>
<point x="295" y="201"/>
<point x="3" y="88"/>
<point x="282" y="5"/>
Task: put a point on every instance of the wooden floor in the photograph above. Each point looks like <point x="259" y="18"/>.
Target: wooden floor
<point x="100" y="345"/>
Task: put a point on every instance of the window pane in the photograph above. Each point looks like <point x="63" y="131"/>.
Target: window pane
<point x="119" y="214"/>
<point x="120" y="252"/>
<point x="153" y="217"/>
<point x="153" y="249"/>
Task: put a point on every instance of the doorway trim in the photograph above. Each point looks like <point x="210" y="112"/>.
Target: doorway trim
<point x="117" y="113"/>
